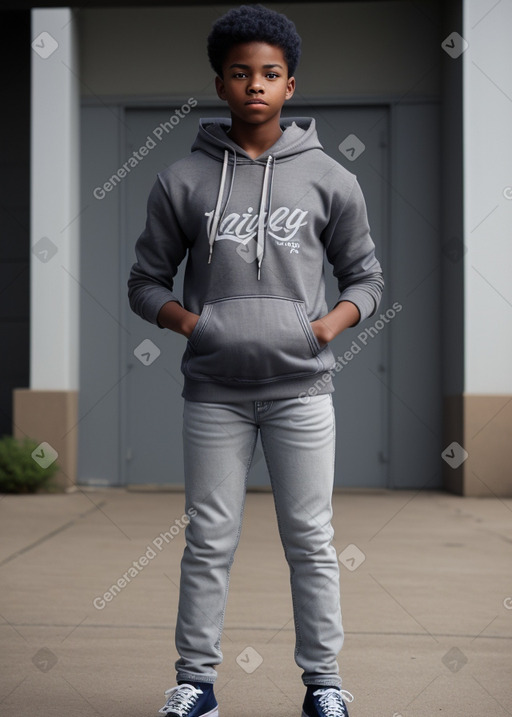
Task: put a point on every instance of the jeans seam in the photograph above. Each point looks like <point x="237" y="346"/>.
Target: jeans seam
<point x="284" y="536"/>
<point x="333" y="415"/>
<point x="235" y="546"/>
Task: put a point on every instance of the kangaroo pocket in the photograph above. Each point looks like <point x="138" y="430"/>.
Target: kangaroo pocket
<point x="252" y="339"/>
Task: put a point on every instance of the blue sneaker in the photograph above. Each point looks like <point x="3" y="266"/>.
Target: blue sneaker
<point x="325" y="702"/>
<point x="190" y="700"/>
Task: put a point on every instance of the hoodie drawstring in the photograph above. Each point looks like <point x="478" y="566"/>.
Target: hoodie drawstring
<point x="266" y="195"/>
<point x="264" y="212"/>
<point x="217" y="214"/>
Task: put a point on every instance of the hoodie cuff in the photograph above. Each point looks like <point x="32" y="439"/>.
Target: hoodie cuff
<point x="153" y="303"/>
<point x="364" y="302"/>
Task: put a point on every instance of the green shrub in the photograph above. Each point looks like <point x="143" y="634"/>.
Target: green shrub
<point x="19" y="472"/>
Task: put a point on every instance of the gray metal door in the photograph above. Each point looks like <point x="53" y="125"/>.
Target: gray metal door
<point x="151" y="450"/>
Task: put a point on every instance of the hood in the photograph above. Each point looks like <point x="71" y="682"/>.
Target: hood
<point x="299" y="135"/>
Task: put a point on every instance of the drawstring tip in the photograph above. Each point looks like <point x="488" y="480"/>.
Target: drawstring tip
<point x="259" y="272"/>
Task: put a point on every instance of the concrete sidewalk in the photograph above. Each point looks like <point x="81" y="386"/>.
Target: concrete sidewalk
<point x="426" y="593"/>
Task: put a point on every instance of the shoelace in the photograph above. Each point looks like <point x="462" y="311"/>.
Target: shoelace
<point x="331" y="701"/>
<point x="180" y="699"/>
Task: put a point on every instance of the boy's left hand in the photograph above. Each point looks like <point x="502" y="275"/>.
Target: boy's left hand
<point x="326" y="328"/>
<point x="322" y="332"/>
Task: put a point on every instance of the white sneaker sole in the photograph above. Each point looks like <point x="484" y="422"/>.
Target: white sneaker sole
<point x="303" y="714"/>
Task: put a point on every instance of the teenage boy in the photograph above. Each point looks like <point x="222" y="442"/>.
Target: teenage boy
<point x="254" y="208"/>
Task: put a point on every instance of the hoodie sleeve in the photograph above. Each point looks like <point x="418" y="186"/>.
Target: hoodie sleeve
<point x="351" y="251"/>
<point x="160" y="249"/>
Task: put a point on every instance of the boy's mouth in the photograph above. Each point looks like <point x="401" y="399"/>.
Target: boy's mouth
<point x="255" y="102"/>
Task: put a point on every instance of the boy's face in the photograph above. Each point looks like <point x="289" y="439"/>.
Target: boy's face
<point x="255" y="83"/>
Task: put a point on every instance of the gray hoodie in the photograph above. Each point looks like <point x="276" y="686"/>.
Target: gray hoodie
<point x="255" y="232"/>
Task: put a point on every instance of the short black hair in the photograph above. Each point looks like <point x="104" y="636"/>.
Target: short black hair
<point x="253" y="23"/>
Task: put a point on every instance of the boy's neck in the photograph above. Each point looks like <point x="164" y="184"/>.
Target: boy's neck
<point x="255" y="139"/>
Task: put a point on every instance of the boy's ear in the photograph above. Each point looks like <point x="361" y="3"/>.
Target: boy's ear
<point x="290" y="88"/>
<point x="219" y="86"/>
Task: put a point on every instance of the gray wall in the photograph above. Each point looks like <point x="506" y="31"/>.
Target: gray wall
<point x="352" y="48"/>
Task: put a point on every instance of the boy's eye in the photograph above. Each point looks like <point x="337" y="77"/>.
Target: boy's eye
<point x="243" y="75"/>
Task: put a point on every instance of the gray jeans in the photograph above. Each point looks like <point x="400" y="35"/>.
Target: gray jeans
<point x="298" y="443"/>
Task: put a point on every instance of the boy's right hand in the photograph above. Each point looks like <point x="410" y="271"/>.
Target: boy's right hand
<point x="174" y="317"/>
<point x="189" y="324"/>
